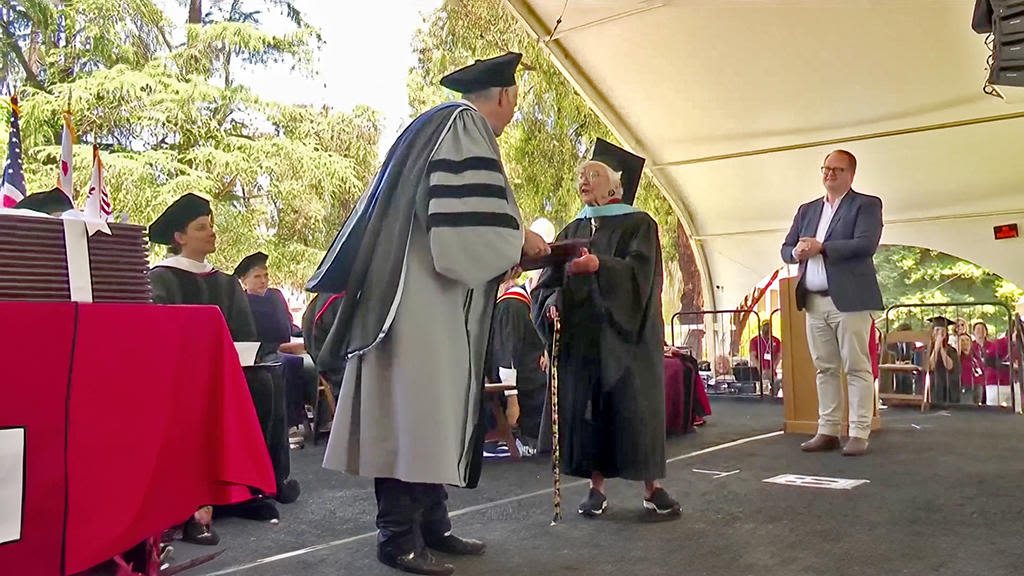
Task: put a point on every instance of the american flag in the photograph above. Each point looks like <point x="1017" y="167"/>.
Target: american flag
<point x="14" y="189"/>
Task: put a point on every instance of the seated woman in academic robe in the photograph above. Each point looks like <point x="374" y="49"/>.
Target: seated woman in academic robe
<point x="516" y="358"/>
<point x="274" y="330"/>
<point x="185" y="277"/>
<point x="611" y="400"/>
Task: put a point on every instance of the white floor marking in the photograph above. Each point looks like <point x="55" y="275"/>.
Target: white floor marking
<point x="816" y="481"/>
<point x="716" y="473"/>
<point x="469" y="509"/>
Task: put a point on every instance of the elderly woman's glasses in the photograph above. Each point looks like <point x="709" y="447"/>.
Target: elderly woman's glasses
<point x="590" y="175"/>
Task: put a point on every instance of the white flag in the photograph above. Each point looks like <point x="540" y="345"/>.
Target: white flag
<point x="97" y="203"/>
<point x="64" y="181"/>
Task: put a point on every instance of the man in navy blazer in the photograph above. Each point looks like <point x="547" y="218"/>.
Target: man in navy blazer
<point x="834" y="239"/>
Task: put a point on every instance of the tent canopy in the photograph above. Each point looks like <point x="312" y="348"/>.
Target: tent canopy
<point x="735" y="103"/>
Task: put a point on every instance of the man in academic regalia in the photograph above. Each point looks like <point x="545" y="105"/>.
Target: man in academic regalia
<point x="186" y="226"/>
<point x="420" y="259"/>
<point x="611" y="400"/>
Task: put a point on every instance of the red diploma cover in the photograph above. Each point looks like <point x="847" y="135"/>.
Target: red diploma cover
<point x="561" y="252"/>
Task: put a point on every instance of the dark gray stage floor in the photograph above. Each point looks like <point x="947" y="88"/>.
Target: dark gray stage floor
<point x="943" y="498"/>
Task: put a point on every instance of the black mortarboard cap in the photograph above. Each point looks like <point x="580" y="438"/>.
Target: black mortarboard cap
<point x="251" y="261"/>
<point x="630" y="165"/>
<point x="941" y="321"/>
<point x="177" y="217"/>
<point x="50" y="202"/>
<point x="497" y="72"/>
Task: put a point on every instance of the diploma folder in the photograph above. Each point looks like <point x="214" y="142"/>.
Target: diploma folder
<point x="561" y="252"/>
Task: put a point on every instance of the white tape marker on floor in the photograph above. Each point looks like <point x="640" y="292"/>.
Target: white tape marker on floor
<point x="816" y="481"/>
<point x="716" y="474"/>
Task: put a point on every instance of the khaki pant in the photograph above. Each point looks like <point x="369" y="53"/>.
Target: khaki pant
<point x="838" y="342"/>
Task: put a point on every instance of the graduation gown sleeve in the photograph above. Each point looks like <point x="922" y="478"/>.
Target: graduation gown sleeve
<point x="472" y="218"/>
<point x="510" y="328"/>
<point x="165" y="289"/>
<point x="236" y="311"/>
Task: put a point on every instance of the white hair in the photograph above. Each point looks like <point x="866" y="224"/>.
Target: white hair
<point x="482" y="96"/>
<point x="615" y="178"/>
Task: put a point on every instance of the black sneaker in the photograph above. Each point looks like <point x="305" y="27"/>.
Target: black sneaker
<point x="594" y="504"/>
<point x="659" y="502"/>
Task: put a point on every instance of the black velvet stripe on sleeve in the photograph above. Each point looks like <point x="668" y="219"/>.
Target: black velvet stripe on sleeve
<point x="471" y="219"/>
<point x="468" y="191"/>
<point x="464" y="165"/>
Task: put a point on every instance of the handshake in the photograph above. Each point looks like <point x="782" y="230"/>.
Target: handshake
<point x="572" y="253"/>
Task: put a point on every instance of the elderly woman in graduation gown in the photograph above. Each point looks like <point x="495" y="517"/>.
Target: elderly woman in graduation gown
<point x="185" y="277"/>
<point x="611" y="384"/>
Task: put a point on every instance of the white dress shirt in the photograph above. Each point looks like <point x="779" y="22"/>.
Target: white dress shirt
<point x="815" y="278"/>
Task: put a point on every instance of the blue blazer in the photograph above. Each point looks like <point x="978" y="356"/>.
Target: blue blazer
<point x="848" y="248"/>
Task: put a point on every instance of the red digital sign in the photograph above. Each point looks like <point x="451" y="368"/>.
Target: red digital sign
<point x="1005" y="231"/>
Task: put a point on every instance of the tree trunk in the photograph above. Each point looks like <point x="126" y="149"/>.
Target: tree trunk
<point x="195" y="12"/>
<point x="30" y="74"/>
<point x="692" y="297"/>
<point x="227" y="66"/>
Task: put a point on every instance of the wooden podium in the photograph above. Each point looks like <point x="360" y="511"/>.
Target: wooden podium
<point x="799" y="388"/>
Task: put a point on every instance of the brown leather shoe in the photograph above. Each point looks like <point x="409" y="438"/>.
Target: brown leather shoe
<point x="855" y="447"/>
<point x="821" y="443"/>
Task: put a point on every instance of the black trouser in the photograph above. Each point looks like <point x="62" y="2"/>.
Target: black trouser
<point x="409" y="515"/>
<point x="266" y="386"/>
<point x="295" y="388"/>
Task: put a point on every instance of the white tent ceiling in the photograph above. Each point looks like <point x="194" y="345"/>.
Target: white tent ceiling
<point x="682" y="81"/>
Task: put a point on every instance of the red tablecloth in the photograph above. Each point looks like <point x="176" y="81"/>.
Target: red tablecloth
<point x="134" y="416"/>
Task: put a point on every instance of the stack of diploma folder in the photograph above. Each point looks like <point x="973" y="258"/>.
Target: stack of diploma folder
<point x="35" y="259"/>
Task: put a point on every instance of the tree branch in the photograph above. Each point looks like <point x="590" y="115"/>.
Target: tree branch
<point x="19" y="55"/>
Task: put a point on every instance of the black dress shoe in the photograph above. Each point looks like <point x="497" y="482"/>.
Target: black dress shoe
<point x="259" y="508"/>
<point x="288" y="491"/>
<point x="452" y="544"/>
<point x="197" y="533"/>
<point x="415" y="563"/>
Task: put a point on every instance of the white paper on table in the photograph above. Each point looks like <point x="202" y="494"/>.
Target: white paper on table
<point x="12" y="483"/>
<point x="247" y="352"/>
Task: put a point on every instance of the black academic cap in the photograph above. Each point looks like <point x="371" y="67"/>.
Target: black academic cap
<point x="251" y="261"/>
<point x="630" y="165"/>
<point x="941" y="321"/>
<point x="497" y="72"/>
<point x="177" y="217"/>
<point x="50" y="202"/>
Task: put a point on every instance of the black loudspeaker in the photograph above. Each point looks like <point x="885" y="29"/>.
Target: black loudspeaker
<point x="1007" y="43"/>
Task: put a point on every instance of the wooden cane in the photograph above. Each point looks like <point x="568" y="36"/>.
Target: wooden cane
<point x="556" y="469"/>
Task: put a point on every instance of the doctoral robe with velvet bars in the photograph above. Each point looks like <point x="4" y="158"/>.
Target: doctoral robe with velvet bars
<point x="611" y="387"/>
<point x="409" y="406"/>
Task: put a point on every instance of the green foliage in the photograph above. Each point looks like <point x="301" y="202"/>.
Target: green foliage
<point x="909" y="275"/>
<point x="169" y="121"/>
<point x="553" y="128"/>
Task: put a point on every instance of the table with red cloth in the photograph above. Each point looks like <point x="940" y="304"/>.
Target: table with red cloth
<point x="684" y="391"/>
<point x="132" y="415"/>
